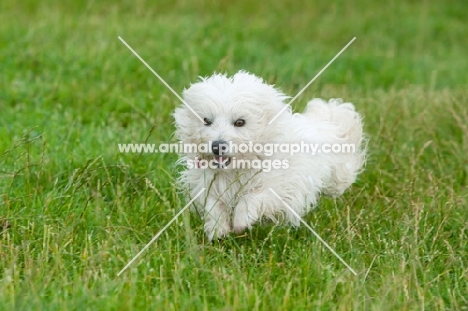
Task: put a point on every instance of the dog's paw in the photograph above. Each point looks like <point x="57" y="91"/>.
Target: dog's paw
<point x="244" y="217"/>
<point x="217" y="229"/>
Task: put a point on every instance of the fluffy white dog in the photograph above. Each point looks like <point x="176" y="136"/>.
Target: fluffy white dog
<point x="236" y="112"/>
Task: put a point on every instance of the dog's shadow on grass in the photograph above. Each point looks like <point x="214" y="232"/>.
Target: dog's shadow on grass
<point x="264" y="243"/>
<point x="257" y="245"/>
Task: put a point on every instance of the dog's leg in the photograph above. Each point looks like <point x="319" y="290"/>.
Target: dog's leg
<point x="248" y="211"/>
<point x="265" y="204"/>
<point x="217" y="222"/>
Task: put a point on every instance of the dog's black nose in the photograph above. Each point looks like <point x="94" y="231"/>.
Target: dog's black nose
<point x="219" y="147"/>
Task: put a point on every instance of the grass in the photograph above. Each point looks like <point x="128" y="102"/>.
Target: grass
<point x="74" y="211"/>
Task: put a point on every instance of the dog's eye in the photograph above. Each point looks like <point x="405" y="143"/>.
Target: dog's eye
<point x="239" y="123"/>
<point x="207" y="121"/>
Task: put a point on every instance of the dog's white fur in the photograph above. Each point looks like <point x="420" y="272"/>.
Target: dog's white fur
<point x="235" y="199"/>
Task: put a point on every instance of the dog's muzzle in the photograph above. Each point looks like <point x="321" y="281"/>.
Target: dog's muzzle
<point x="219" y="149"/>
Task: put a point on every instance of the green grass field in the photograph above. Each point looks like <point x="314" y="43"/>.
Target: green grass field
<point x="74" y="211"/>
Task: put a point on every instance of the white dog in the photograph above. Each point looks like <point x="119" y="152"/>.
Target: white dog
<point x="236" y="112"/>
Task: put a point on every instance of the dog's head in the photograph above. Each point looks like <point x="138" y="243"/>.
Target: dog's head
<point x="235" y="110"/>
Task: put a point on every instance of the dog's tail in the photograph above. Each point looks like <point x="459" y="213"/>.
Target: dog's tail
<point x="340" y="129"/>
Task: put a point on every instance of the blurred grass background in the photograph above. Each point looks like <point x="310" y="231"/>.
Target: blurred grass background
<point x="74" y="211"/>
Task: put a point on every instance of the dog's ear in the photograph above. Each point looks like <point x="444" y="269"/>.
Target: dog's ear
<point x="277" y="105"/>
<point x="184" y="123"/>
